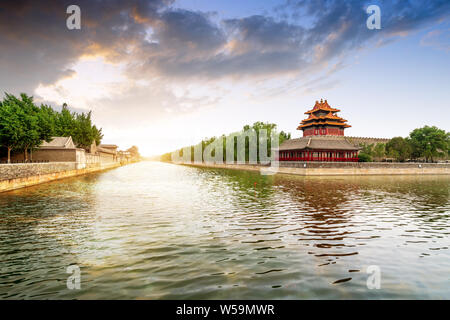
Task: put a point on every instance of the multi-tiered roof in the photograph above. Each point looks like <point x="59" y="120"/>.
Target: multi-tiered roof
<point x="323" y="138"/>
<point x="323" y="116"/>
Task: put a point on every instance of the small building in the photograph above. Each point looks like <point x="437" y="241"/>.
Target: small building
<point x="124" y="156"/>
<point x="59" y="149"/>
<point x="111" y="147"/>
<point x="107" y="152"/>
<point x="323" y="138"/>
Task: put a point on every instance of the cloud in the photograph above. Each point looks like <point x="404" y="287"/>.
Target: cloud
<point x="153" y="41"/>
<point x="439" y="39"/>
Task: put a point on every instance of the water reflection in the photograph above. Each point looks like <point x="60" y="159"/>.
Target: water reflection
<point x="153" y="230"/>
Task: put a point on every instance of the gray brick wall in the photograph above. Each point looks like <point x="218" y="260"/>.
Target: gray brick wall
<point x="23" y="170"/>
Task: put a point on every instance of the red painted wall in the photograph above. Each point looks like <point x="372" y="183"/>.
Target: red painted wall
<point x="321" y="132"/>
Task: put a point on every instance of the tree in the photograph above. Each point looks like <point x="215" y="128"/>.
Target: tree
<point x="98" y="135"/>
<point x="399" y="148"/>
<point x="284" y="136"/>
<point x="366" y="153"/>
<point x="79" y="127"/>
<point x="65" y="123"/>
<point x="379" y="151"/>
<point x="84" y="134"/>
<point x="364" y="157"/>
<point x="29" y="118"/>
<point x="11" y="126"/>
<point x="47" y="122"/>
<point x="24" y="126"/>
<point x="429" y="142"/>
<point x="134" y="152"/>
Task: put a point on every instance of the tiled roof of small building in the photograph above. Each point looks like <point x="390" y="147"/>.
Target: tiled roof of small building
<point x="106" y="150"/>
<point x="108" y="146"/>
<point x="59" y="143"/>
<point x="319" y="143"/>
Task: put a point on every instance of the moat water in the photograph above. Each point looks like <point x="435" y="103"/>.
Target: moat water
<point x="159" y="231"/>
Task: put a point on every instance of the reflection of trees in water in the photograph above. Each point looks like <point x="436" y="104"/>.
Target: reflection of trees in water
<point x="330" y="220"/>
<point x="423" y="201"/>
<point x="311" y="212"/>
<point x="425" y="191"/>
<point x="46" y="200"/>
<point x="242" y="181"/>
<point x="55" y="216"/>
<point x="427" y="195"/>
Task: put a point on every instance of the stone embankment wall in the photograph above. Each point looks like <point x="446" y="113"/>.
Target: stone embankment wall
<point x="20" y="175"/>
<point x="341" y="168"/>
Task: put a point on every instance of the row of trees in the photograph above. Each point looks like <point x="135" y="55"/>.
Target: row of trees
<point x="256" y="127"/>
<point x="24" y="125"/>
<point x="426" y="143"/>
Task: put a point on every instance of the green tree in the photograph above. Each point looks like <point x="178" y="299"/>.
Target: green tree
<point x="12" y="132"/>
<point x="364" y="157"/>
<point x="24" y="126"/>
<point x="367" y="148"/>
<point x="366" y="153"/>
<point x="429" y="142"/>
<point x="79" y="127"/>
<point x="98" y="135"/>
<point x="47" y="122"/>
<point x="379" y="151"/>
<point x="65" y="123"/>
<point x="30" y="123"/>
<point x="84" y="133"/>
<point x="399" y="148"/>
<point x="256" y="127"/>
<point x="284" y="136"/>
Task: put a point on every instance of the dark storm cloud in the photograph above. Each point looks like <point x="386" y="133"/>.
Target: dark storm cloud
<point x="155" y="40"/>
<point x="265" y="33"/>
<point x="182" y="29"/>
<point x="36" y="47"/>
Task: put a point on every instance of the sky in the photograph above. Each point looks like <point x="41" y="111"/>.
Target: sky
<point x="163" y="74"/>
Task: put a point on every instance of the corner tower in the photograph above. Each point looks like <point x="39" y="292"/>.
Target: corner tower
<point x="323" y="121"/>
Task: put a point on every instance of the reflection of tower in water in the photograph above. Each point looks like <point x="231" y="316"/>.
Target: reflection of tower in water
<point x="327" y="219"/>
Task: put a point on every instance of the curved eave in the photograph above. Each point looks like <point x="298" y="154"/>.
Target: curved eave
<point x="322" y="109"/>
<point x="323" y="118"/>
<point x="322" y="124"/>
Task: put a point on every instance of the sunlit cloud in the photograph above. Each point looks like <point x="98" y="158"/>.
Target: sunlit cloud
<point x="92" y="79"/>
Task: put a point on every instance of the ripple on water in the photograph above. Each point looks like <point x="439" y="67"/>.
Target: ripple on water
<point x="153" y="230"/>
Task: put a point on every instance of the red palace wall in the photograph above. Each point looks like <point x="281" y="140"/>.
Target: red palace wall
<point x="323" y="131"/>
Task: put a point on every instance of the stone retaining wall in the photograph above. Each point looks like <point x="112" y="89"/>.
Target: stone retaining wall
<point x="340" y="168"/>
<point x="362" y="165"/>
<point x="22" y="170"/>
<point x="20" y="175"/>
